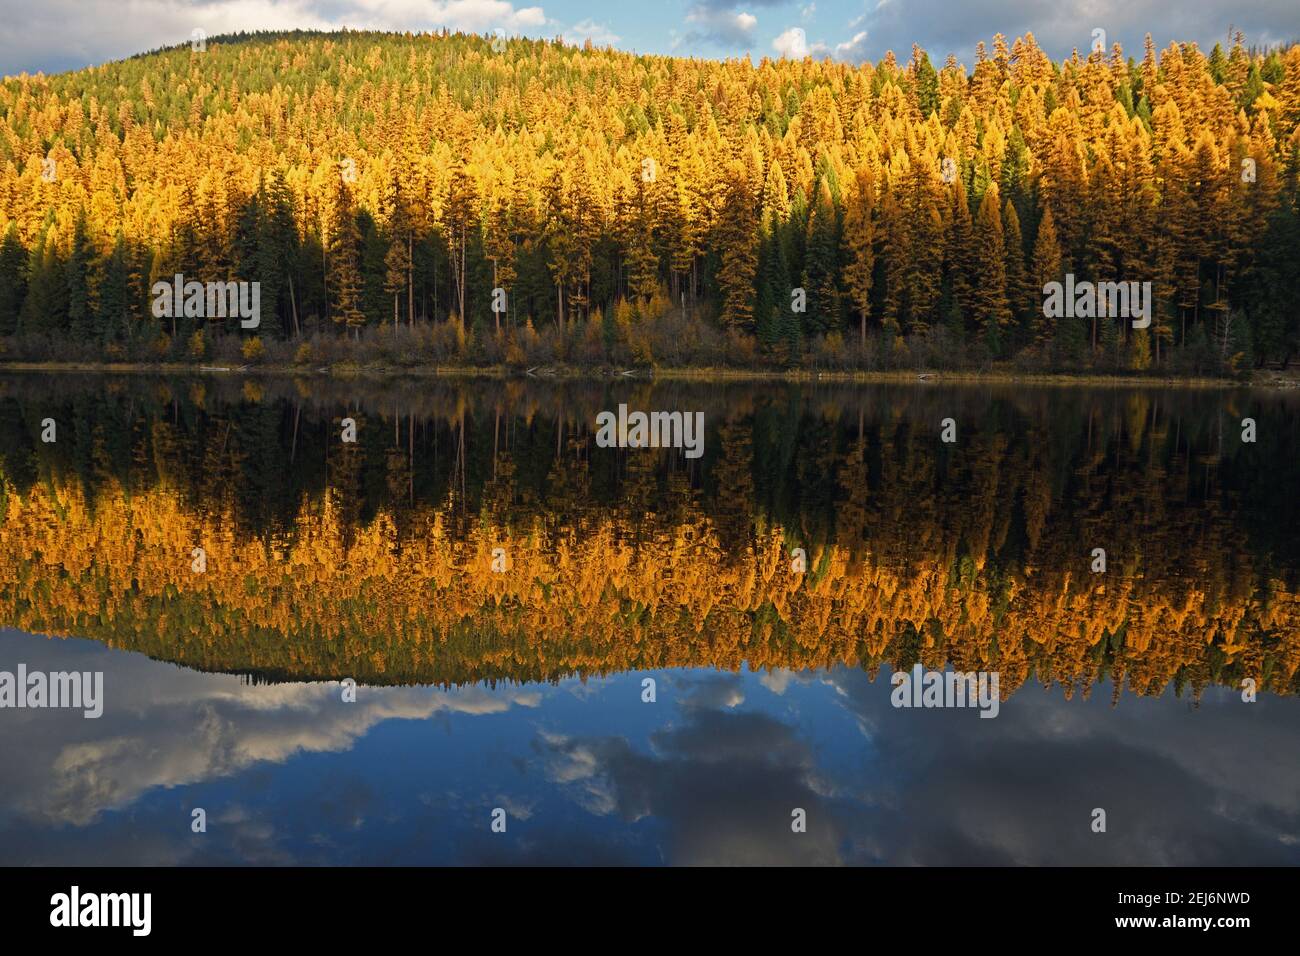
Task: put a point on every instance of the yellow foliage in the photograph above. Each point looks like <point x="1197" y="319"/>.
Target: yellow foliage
<point x="253" y="350"/>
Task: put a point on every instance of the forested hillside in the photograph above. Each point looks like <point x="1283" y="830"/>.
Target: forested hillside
<point x="641" y="210"/>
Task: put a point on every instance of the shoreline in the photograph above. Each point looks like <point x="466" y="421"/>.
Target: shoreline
<point x="1270" y="380"/>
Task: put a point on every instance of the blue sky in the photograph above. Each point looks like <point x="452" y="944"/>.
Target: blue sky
<point x="54" y="35"/>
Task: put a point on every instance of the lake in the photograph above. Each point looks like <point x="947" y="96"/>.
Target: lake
<point x="476" y="634"/>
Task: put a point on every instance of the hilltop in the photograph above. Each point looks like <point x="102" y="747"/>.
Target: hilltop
<point x="653" y="211"/>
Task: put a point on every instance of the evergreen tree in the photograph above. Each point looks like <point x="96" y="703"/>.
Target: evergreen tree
<point x="821" y="264"/>
<point x="278" y="256"/>
<point x="859" y="245"/>
<point x="1020" y="292"/>
<point x="1047" y="268"/>
<point x="374" y="274"/>
<point x="738" y="251"/>
<point x="45" y="309"/>
<point x="113" y="316"/>
<point x="13" y="279"/>
<point x="76" y="275"/>
<point x="927" y="85"/>
<point x="346" y="284"/>
<point x="775" y="316"/>
<point x="399" y="263"/>
<point x="642" y="263"/>
<point x="991" y="309"/>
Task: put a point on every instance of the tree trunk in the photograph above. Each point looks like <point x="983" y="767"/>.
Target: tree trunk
<point x="293" y="305"/>
<point x="462" y="281"/>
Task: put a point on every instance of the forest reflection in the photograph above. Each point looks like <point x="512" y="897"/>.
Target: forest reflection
<point x="375" y="559"/>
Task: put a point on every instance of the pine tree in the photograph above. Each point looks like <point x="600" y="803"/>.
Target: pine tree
<point x="642" y="263"/>
<point x="923" y="248"/>
<point x="927" y="83"/>
<point x="960" y="258"/>
<point x="776" y="320"/>
<point x="1047" y="268"/>
<point x="247" y="264"/>
<point x="278" y="254"/>
<point x="113" y="317"/>
<point x="498" y="247"/>
<point x="345" y="280"/>
<point x="1020" y="293"/>
<point x="459" y="215"/>
<point x="13" y="279"/>
<point x="45" y="309"/>
<point x="374" y="247"/>
<point x="821" y="264"/>
<point x="859" y="243"/>
<point x="76" y="275"/>
<point x="737" y="235"/>
<point x="991" y="309"/>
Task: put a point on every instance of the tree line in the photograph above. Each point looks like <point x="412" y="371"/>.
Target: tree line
<point x="794" y="211"/>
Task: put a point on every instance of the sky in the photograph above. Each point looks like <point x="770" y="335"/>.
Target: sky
<point x="57" y="35"/>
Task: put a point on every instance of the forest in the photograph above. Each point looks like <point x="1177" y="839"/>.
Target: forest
<point x="449" y="200"/>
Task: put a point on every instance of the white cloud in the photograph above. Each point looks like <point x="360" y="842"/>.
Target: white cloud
<point x="714" y="692"/>
<point x="777" y="680"/>
<point x="190" y="727"/>
<point x="942" y="27"/>
<point x="476" y="16"/>
<point x="724" y="28"/>
<point x="792" y="43"/>
<point x="854" y="50"/>
<point x="69" y="34"/>
<point x="598" y="33"/>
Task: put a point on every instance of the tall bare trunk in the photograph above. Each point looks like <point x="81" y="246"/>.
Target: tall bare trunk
<point x="293" y="305"/>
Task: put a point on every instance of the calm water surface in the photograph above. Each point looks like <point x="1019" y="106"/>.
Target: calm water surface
<point x="501" y="590"/>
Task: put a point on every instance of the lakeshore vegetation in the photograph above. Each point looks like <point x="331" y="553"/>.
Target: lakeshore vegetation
<point x="643" y="211"/>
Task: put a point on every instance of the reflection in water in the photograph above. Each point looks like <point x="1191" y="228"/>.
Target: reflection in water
<point x="374" y="561"/>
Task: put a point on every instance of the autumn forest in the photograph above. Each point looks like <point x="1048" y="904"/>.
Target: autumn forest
<point x="643" y="211"/>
